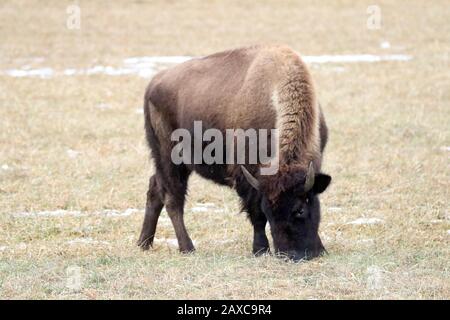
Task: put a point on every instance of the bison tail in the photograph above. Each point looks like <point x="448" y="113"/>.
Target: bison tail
<point x="150" y="135"/>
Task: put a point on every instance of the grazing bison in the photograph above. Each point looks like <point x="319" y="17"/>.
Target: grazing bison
<point x="260" y="87"/>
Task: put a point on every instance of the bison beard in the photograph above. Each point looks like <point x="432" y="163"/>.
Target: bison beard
<point x="261" y="87"/>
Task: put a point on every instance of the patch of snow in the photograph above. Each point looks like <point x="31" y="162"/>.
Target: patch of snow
<point x="5" y="167"/>
<point x="70" y="72"/>
<point x="199" y="209"/>
<point x="362" y="221"/>
<point x="436" y="221"/>
<point x="72" y="153"/>
<point x="171" y="242"/>
<point x="108" y="70"/>
<point x="366" y="241"/>
<point x="448" y="232"/>
<point x="3" y="248"/>
<point x="77" y="241"/>
<point x="117" y="213"/>
<point x="206" y="207"/>
<point x="54" y="213"/>
<point x="103" y="106"/>
<point x="385" y="45"/>
<point x="444" y="148"/>
<point x="335" y="209"/>
<point x="27" y="72"/>
<point x="146" y="67"/>
<point x="139" y="111"/>
<point x="22" y="246"/>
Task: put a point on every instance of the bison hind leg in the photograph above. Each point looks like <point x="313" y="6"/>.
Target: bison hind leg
<point x="153" y="207"/>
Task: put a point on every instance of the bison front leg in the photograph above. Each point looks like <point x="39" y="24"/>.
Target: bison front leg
<point x="153" y="207"/>
<point x="260" y="241"/>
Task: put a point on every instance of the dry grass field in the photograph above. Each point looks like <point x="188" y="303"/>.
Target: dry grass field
<point x="76" y="143"/>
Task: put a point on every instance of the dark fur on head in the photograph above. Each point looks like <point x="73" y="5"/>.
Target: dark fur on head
<point x="287" y="177"/>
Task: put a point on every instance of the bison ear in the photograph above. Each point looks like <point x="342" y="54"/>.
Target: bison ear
<point x="321" y="182"/>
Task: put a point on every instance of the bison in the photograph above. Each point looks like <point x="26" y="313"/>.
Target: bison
<point x="259" y="87"/>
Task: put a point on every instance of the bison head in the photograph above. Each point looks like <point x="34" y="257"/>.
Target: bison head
<point x="293" y="211"/>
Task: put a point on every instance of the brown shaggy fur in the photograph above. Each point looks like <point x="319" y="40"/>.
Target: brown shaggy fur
<point x="259" y="87"/>
<point x="255" y="87"/>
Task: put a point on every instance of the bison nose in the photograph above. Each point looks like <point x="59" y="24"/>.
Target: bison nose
<point x="303" y="255"/>
<point x="306" y="254"/>
<point x="292" y="255"/>
<point x="296" y="257"/>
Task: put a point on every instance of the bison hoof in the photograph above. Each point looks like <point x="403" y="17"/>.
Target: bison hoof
<point x="145" y="244"/>
<point x="258" y="252"/>
<point x="186" y="245"/>
<point x="187" y="251"/>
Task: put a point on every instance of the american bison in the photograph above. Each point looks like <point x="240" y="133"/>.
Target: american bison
<point x="259" y="87"/>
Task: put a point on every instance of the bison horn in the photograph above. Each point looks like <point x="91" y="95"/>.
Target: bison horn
<point x="250" y="179"/>
<point x="309" y="178"/>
